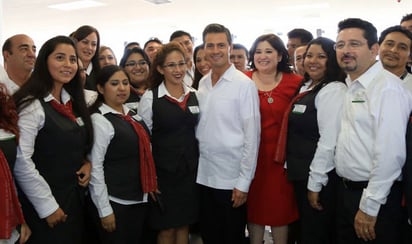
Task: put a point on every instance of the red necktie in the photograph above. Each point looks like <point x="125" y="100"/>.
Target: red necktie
<point x="11" y="214"/>
<point x="181" y="104"/>
<point x="147" y="166"/>
<point x="64" y="109"/>
<point x="280" y="156"/>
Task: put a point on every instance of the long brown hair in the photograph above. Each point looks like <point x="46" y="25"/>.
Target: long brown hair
<point x="8" y="113"/>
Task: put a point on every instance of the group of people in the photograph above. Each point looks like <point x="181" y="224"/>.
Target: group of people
<point x="311" y="138"/>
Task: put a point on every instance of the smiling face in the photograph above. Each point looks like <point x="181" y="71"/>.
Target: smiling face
<point x="315" y="62"/>
<point x="174" y="68"/>
<point x="394" y="52"/>
<point x="352" y="52"/>
<point x="217" y="49"/>
<point x="266" y="58"/>
<point x="116" y="90"/>
<point x="62" y="64"/>
<point x="137" y="68"/>
<point x="202" y="65"/>
<point x="22" y="56"/>
<point x="86" y="48"/>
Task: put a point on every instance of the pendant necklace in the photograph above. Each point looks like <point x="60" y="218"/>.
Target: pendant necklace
<point x="269" y="96"/>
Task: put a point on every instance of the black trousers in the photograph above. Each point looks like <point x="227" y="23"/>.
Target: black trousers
<point x="389" y="220"/>
<point x="220" y="223"/>
<point x="317" y="226"/>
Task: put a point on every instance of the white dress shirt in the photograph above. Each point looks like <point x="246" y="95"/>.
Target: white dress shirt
<point x="145" y="106"/>
<point x="228" y="131"/>
<point x="103" y="134"/>
<point x="37" y="190"/>
<point x="328" y="103"/>
<point x="407" y="82"/>
<point x="371" y="143"/>
<point x="12" y="87"/>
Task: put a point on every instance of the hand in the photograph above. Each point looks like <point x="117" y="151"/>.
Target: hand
<point x="238" y="198"/>
<point x="109" y="223"/>
<point x="313" y="198"/>
<point x="83" y="174"/>
<point x="25" y="233"/>
<point x="365" y="226"/>
<point x="57" y="217"/>
<point x="153" y="194"/>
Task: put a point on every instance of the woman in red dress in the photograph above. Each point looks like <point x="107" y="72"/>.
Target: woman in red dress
<point x="271" y="201"/>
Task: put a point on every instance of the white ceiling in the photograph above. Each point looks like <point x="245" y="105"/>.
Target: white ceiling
<point x="122" y="21"/>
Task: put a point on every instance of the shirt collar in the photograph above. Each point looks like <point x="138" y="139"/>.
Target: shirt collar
<point x="105" y="109"/>
<point x="65" y="96"/>
<point x="367" y="77"/>
<point x="89" y="68"/>
<point x="162" y="91"/>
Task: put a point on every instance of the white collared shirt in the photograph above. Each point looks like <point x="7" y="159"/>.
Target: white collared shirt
<point x="145" y="106"/>
<point x="228" y="131"/>
<point x="328" y="103"/>
<point x="37" y="190"/>
<point x="12" y="87"/>
<point x="103" y="134"/>
<point x="371" y="143"/>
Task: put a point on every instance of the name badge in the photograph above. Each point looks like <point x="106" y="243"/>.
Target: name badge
<point x="299" y="109"/>
<point x="79" y="121"/>
<point x="359" y="97"/>
<point x="194" y="109"/>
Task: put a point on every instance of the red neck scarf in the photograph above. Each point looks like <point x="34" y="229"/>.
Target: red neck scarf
<point x="147" y="166"/>
<point x="181" y="104"/>
<point x="64" y="109"/>
<point x="282" y="139"/>
<point x="11" y="214"/>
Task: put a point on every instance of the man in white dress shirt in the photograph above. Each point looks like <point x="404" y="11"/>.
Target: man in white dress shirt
<point x="19" y="56"/>
<point x="370" y="150"/>
<point x="394" y="52"/>
<point x="228" y="134"/>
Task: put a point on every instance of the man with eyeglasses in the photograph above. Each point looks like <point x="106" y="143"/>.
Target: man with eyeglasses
<point x="185" y="40"/>
<point x="370" y="150"/>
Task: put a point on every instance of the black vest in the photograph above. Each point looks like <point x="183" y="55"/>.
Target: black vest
<point x="9" y="148"/>
<point x="174" y="143"/>
<point x="59" y="152"/>
<point x="122" y="161"/>
<point x="303" y="136"/>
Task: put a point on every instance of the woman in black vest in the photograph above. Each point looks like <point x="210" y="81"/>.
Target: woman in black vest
<point x="55" y="136"/>
<point x="311" y="138"/>
<point x="170" y="109"/>
<point x="123" y="169"/>
<point x="136" y="64"/>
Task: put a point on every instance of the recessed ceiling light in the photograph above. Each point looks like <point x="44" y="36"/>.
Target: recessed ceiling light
<point x="76" y="5"/>
<point x="306" y="6"/>
<point x="159" y="1"/>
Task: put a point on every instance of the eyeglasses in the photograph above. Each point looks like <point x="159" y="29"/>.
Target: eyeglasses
<point x="134" y="63"/>
<point x="174" y="65"/>
<point x="351" y="45"/>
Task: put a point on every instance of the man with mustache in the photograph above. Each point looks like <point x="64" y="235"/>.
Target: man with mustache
<point x="395" y="49"/>
<point x="19" y="56"/>
<point x="371" y="149"/>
